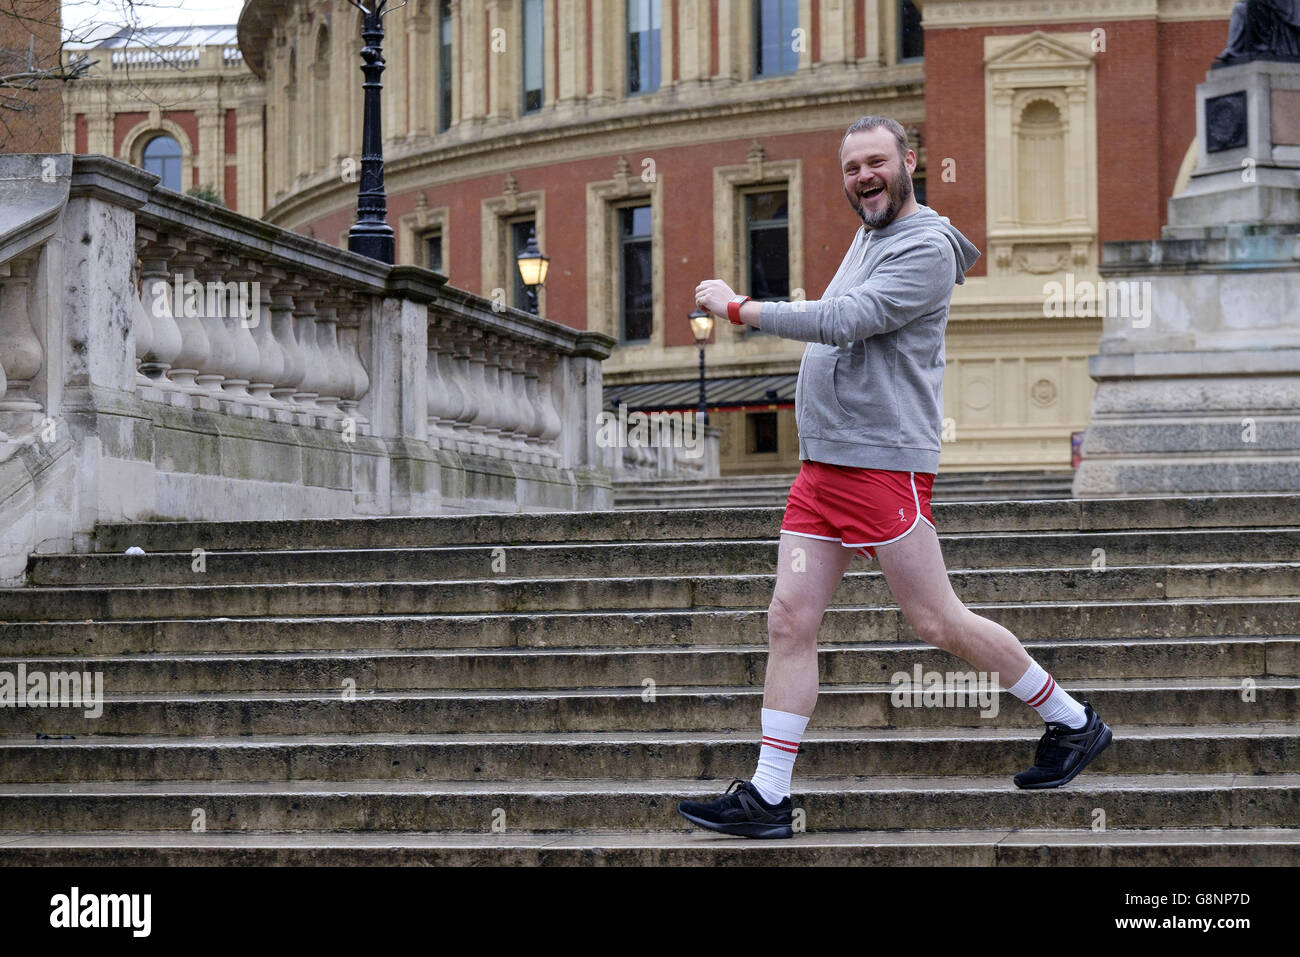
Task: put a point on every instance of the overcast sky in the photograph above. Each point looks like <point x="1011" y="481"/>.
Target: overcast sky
<point x="151" y="13"/>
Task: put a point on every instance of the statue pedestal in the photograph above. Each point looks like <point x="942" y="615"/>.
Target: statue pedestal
<point x="1248" y="150"/>
<point x="1200" y="391"/>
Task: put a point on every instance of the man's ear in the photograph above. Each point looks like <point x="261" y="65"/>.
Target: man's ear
<point x="910" y="161"/>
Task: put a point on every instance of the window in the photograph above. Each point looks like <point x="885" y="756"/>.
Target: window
<point x="918" y="189"/>
<point x="774" y="24"/>
<point x="760" y="433"/>
<point x="433" y="251"/>
<point x="520" y="230"/>
<point x="643" y="50"/>
<point x="444" y="66"/>
<point x="767" y="245"/>
<point x="162" y="157"/>
<point x="1041" y="164"/>
<point x="636" y="297"/>
<point x="534" y="47"/>
<point x="910" y="37"/>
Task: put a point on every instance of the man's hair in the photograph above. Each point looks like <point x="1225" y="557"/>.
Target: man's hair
<point x="876" y="122"/>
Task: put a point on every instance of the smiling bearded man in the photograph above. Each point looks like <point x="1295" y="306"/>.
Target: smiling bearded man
<point x="869" y="408"/>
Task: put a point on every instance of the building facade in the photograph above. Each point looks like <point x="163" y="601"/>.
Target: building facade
<point x="649" y="144"/>
<point x="179" y="102"/>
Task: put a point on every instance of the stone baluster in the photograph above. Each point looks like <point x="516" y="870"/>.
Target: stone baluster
<point x="513" y="369"/>
<point x="221" y="348"/>
<point x="141" y="327"/>
<point x="529" y="365"/>
<point x="238" y="302"/>
<point x="513" y="379"/>
<point x="336" y="378"/>
<point x="270" y="354"/>
<point x="186" y="310"/>
<point x="485" y="419"/>
<point x="441" y="411"/>
<point x="458" y="368"/>
<point x="498" y="383"/>
<point x="352" y="312"/>
<point x="283" y="291"/>
<point x="157" y="293"/>
<point x="21" y="354"/>
<point x="547" y="401"/>
<point x="304" y="320"/>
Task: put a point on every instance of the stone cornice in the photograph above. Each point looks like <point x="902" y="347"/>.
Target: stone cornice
<point x="111" y="180"/>
<point x="943" y="14"/>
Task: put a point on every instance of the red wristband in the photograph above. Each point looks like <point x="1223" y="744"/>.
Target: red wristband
<point x="733" y="309"/>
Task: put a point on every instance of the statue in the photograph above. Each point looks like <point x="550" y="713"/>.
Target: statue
<point x="1262" y="30"/>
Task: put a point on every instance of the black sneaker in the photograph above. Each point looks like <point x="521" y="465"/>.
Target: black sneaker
<point x="742" y="810"/>
<point x="1064" y="751"/>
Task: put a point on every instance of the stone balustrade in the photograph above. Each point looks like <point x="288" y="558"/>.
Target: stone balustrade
<point x="668" y="445"/>
<point x="164" y="358"/>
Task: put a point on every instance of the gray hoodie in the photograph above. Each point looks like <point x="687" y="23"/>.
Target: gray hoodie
<point x="870" y="390"/>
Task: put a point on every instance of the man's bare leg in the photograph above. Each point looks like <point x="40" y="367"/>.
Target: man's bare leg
<point x="915" y="571"/>
<point x="807" y="573"/>
<point x="917" y="576"/>
<point x="808" y="570"/>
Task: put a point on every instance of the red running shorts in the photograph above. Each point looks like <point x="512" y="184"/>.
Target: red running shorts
<point x="859" y="508"/>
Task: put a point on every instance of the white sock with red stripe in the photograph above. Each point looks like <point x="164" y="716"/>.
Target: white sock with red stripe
<point x="1037" y="689"/>
<point x="782" y="732"/>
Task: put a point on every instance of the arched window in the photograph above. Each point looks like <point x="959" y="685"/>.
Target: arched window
<point x="162" y="157"/>
<point x="1042" y="164"/>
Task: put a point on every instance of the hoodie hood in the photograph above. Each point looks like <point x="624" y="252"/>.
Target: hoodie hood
<point x="964" y="252"/>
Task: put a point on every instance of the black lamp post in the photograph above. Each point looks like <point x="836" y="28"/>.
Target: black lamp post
<point x="532" y="269"/>
<point x="702" y="328"/>
<point x="371" y="235"/>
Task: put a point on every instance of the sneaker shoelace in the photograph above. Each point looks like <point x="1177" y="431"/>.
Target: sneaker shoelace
<point x="1050" y="745"/>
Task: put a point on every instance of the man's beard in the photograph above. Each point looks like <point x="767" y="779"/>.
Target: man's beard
<point x="898" y="191"/>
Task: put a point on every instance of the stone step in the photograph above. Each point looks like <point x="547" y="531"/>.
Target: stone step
<point x="1010" y="479"/>
<point x="1122" y="701"/>
<point x="1187" y="749"/>
<point x="961" y="551"/>
<point x="1256" y="580"/>
<point x="1059" y="621"/>
<point x="1219" y="511"/>
<point x="828" y="804"/>
<point x="774" y="498"/>
<point x="742" y="493"/>
<point x="1001" y="846"/>
<point x="505" y="669"/>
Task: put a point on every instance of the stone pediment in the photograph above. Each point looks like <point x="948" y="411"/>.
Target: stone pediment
<point x="1037" y="49"/>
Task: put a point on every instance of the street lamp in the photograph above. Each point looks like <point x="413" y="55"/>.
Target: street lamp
<point x="371" y="235"/>
<point x="532" y="269"/>
<point x="702" y="328"/>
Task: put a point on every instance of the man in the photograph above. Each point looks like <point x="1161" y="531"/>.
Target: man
<point x="869" y="410"/>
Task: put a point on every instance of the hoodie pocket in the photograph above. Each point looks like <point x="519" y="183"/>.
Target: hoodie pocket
<point x="862" y="390"/>
<point x="821" y="410"/>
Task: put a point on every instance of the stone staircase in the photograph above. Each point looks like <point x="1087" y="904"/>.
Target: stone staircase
<point x="756" y="491"/>
<point x="544" y="689"/>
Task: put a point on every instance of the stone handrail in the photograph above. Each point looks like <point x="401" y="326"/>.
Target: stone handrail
<point x="198" y="364"/>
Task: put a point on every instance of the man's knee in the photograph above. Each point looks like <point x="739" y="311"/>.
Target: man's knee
<point x="791" y="624"/>
<point x="937" y="627"/>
